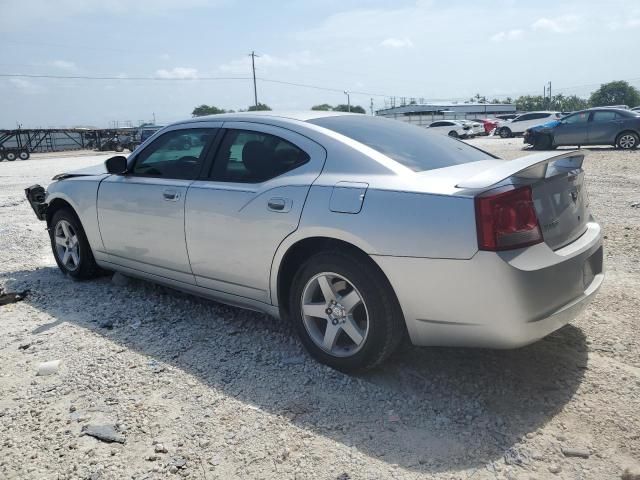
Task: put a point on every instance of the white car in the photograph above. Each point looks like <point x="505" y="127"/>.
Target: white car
<point x="477" y="128"/>
<point x="522" y="122"/>
<point x="453" y="128"/>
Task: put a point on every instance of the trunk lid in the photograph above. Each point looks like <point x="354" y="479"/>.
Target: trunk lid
<point x="562" y="206"/>
<point x="558" y="191"/>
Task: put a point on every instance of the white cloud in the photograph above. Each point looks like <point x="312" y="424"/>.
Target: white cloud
<point x="561" y="24"/>
<point x="397" y="42"/>
<point x="178" y="72"/>
<point x="63" y="65"/>
<point x="293" y="61"/>
<point x="26" y="86"/>
<point x="508" y="35"/>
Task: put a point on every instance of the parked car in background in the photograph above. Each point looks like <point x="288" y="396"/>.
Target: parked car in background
<point x="477" y="128"/>
<point x="453" y="128"/>
<point x="595" y="126"/>
<point x="488" y="124"/>
<point x="517" y="126"/>
<point x="508" y="116"/>
<point x="359" y="230"/>
<point x="636" y="109"/>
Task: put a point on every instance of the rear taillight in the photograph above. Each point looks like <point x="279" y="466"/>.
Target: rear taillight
<point x="507" y="220"/>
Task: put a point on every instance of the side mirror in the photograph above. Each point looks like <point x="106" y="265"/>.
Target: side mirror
<point x="116" y="165"/>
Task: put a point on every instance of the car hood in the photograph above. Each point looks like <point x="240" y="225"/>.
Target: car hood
<point x="545" y="126"/>
<point x="91" y="171"/>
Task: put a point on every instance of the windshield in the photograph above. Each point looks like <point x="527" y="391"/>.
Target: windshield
<point x="412" y="146"/>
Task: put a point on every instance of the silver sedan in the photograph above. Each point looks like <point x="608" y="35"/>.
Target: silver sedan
<point x="359" y="230"/>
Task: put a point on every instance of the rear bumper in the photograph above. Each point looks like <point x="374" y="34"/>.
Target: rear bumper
<point x="36" y="196"/>
<point x="496" y="300"/>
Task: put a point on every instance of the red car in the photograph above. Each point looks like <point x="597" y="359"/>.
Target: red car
<point x="489" y="125"/>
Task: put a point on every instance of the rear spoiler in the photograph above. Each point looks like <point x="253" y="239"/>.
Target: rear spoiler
<point x="531" y="166"/>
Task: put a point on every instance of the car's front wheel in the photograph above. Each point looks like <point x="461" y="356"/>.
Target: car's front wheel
<point x="627" y="141"/>
<point x="505" y="132"/>
<point x="344" y="311"/>
<point x="70" y="246"/>
<point x="543" y="142"/>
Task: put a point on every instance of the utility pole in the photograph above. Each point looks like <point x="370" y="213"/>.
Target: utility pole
<point x="549" y="94"/>
<point x="154" y="117"/>
<point x="348" y="101"/>
<point x="371" y="106"/>
<point x="253" y="67"/>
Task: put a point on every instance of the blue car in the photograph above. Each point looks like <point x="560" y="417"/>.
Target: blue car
<point x="595" y="126"/>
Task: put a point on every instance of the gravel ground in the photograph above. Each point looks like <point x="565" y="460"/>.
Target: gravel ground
<point x="178" y="386"/>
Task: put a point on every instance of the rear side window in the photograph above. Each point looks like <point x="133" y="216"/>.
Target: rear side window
<point x="604" y="116"/>
<point x="247" y="156"/>
<point x="412" y="146"/>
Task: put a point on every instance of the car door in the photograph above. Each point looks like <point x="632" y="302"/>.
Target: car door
<point x="248" y="203"/>
<point x="141" y="213"/>
<point x="603" y="127"/>
<point x="572" y="130"/>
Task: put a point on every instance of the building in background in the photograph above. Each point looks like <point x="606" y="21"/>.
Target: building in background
<point x="424" y="114"/>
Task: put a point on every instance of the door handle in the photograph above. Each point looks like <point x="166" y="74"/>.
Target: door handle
<point x="171" y="195"/>
<point x="281" y="205"/>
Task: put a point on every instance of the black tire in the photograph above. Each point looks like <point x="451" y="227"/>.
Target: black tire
<point x="119" y="148"/>
<point x="505" y="132"/>
<point x="386" y="326"/>
<point x="453" y="134"/>
<point x="627" y="141"/>
<point x="24" y="155"/>
<point x="11" y="156"/>
<point x="87" y="267"/>
<point x="543" y="142"/>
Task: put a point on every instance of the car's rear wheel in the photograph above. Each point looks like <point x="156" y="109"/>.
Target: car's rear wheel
<point x="24" y="155"/>
<point x="505" y="132"/>
<point x="11" y="156"/>
<point x="70" y="246"/>
<point x="453" y="134"/>
<point x="627" y="141"/>
<point x="119" y="148"/>
<point x="344" y="311"/>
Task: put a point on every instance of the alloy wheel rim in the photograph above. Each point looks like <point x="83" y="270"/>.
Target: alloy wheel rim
<point x="334" y="314"/>
<point x="627" y="141"/>
<point x="67" y="245"/>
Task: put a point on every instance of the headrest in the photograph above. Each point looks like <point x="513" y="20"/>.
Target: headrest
<point x="256" y="158"/>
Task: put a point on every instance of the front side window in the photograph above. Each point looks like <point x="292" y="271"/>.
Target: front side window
<point x="252" y="157"/>
<point x="177" y="154"/>
<point x="522" y="118"/>
<point x="414" y="147"/>
<point x="576" y="118"/>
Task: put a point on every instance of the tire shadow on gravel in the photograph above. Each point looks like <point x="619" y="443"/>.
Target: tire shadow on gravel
<point x="428" y="409"/>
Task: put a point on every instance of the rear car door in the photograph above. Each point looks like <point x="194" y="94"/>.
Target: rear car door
<point x="604" y="126"/>
<point x="250" y="201"/>
<point x="572" y="130"/>
<point x="141" y="213"/>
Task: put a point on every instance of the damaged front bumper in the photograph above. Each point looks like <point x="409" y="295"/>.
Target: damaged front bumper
<point x="36" y="195"/>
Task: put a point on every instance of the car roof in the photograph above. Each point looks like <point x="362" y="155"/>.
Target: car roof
<point x="302" y="116"/>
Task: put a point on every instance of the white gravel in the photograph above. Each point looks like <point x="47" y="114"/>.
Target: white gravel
<point x="200" y="390"/>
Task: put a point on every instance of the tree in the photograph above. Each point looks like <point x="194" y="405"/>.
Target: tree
<point x="568" y="104"/>
<point x="206" y="110"/>
<point x="530" y="102"/>
<point x="615" y="93"/>
<point x="259" y="108"/>
<point x="345" y="108"/>
<point x="324" y="107"/>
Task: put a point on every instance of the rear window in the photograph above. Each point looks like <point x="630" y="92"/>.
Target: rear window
<point x="412" y="146"/>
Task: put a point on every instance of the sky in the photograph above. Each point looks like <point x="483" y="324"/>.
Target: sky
<point x="161" y="58"/>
